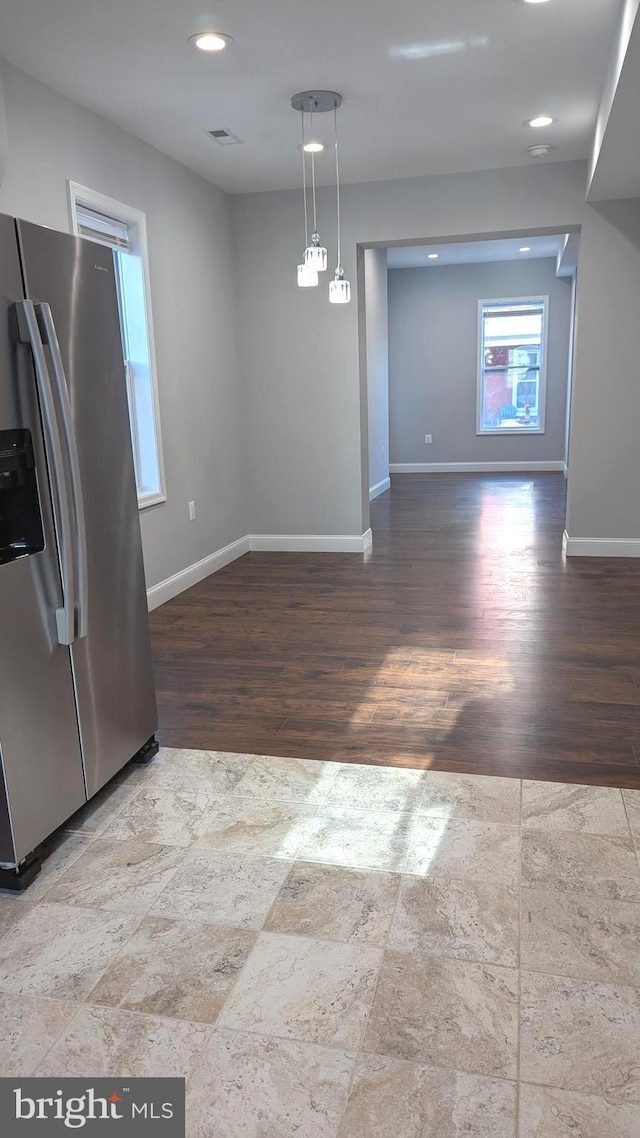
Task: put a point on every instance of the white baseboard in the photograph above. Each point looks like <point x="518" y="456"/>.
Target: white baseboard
<point x="165" y="590"/>
<point x="260" y="543"/>
<point x="310" y="543"/>
<point x="379" y="488"/>
<point x="473" y="467"/>
<point x="600" y="547"/>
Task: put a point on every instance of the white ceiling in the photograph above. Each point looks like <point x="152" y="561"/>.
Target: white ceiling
<point x="474" y="252"/>
<point x="428" y="88"/>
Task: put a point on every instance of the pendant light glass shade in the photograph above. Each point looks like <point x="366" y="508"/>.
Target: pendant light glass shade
<point x="307" y="278"/>
<point x="315" y="255"/>
<point x="339" y="289"/>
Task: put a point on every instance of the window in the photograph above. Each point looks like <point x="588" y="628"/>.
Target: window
<point x="512" y="365"/>
<point x="99" y="218"/>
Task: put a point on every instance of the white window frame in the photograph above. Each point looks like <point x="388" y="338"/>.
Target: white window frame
<point x="93" y="199"/>
<point x="542" y="380"/>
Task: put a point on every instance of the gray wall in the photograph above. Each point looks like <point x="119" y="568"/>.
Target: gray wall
<point x="301" y="364"/>
<point x="570" y="364"/>
<point x="604" y="455"/>
<point x="377" y="363"/>
<point x="3" y="132"/>
<point x="52" y="139"/>
<point x="433" y="361"/>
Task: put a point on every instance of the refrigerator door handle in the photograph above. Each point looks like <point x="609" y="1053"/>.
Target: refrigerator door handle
<point x="30" y="334"/>
<point x="50" y="338"/>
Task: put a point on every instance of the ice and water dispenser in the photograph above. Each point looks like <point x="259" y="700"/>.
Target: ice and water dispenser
<point x="21" y="532"/>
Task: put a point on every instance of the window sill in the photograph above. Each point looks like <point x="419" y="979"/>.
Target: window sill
<point x="153" y="498"/>
<point x="522" y="431"/>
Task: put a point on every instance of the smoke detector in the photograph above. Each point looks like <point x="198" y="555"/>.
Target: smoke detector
<point x="224" y="137"/>
<point x="540" y="150"/>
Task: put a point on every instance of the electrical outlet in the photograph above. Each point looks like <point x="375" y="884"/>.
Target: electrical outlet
<point x="192" y="511"/>
<point x="428" y="438"/>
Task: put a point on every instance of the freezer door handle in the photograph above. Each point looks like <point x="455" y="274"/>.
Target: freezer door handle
<point x="50" y="339"/>
<point x="30" y="334"/>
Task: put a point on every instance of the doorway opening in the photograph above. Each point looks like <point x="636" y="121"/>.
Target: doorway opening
<point x="468" y="355"/>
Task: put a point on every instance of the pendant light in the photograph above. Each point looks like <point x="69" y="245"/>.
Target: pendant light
<point x="307" y="278"/>
<point x="312" y="103"/>
<point x="315" y="254"/>
<point x="339" y="288"/>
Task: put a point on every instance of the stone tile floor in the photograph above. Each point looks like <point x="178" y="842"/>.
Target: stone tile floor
<point x="335" y="951"/>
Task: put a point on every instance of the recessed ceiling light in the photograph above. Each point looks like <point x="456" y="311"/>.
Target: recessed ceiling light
<point x="535" y="1"/>
<point x="210" y="41"/>
<point x="524" y="248"/>
<point x="540" y="120"/>
<point x="432" y="256"/>
<point x="312" y="147"/>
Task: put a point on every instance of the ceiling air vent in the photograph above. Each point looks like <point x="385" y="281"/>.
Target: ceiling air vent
<point x="224" y="137"/>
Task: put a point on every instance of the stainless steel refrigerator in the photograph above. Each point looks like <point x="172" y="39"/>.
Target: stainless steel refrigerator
<point x="77" y="697"/>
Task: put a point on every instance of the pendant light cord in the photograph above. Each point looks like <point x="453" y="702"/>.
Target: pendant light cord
<point x="304" y="186"/>
<point x="335" y="135"/>
<point x="313" y="177"/>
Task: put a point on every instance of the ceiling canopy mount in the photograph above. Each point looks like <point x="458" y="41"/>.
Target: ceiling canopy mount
<point x="316" y="102"/>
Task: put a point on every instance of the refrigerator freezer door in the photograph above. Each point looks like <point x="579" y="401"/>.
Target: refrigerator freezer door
<point x="112" y="663"/>
<point x="42" y="780"/>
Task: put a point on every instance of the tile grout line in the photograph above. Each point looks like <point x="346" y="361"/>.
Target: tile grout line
<point x="259" y="932"/>
<point x="262" y="930"/>
<point x="143" y="914"/>
<point x="99" y="908"/>
<point x="519" y="980"/>
<point x="91" y="840"/>
<point x="218" y="1028"/>
<point x="359" y="1050"/>
<point x="83" y="1002"/>
<point x="427" y="781"/>
<point x="144" y="782"/>
<point x="309" y="859"/>
<point x="636" y="844"/>
<point x="547" y="890"/>
<point x="69" y="1022"/>
<point x="210" y="1028"/>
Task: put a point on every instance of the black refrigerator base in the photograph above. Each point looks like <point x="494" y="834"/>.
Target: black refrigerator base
<point x="148" y="752"/>
<point x="17" y="880"/>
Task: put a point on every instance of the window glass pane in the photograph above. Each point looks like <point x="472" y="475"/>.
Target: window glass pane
<point x="136" y="351"/>
<point x="512" y="375"/>
<point x="122" y="233"/>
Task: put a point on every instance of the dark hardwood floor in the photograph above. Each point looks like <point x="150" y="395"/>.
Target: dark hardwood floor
<point x="463" y="642"/>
